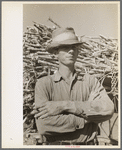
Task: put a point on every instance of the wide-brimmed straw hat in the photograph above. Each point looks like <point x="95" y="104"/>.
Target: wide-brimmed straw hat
<point x="61" y="37"/>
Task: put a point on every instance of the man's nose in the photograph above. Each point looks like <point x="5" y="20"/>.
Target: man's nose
<point x="71" y="51"/>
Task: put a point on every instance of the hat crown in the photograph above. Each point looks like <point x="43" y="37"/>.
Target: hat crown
<point x="62" y="37"/>
<point x="63" y="34"/>
<point x="62" y="30"/>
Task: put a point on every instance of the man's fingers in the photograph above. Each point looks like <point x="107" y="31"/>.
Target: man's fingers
<point x="42" y="109"/>
<point x="34" y="112"/>
<point x="44" y="116"/>
<point x="40" y="114"/>
<point x="43" y="104"/>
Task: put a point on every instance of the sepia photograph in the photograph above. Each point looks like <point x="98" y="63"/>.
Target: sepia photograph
<point x="70" y="75"/>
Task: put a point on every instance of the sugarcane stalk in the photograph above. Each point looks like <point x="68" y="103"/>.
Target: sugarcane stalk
<point x="35" y="49"/>
<point x="42" y="53"/>
<point x="24" y="119"/>
<point x="27" y="61"/>
<point x="47" y="63"/>
<point x="33" y="45"/>
<point x="28" y="91"/>
<point x="42" y="74"/>
<point x="38" y="27"/>
<point x="31" y="33"/>
<point x="54" y="22"/>
<point x="47" y="57"/>
<point x="99" y="43"/>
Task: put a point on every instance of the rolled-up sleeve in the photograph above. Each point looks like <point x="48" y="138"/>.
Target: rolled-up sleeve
<point x="54" y="124"/>
<point x="100" y="108"/>
<point x="59" y="124"/>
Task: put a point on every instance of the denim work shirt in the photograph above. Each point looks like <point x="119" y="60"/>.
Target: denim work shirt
<point x="69" y="127"/>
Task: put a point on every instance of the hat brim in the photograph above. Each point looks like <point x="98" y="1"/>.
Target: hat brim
<point x="52" y="47"/>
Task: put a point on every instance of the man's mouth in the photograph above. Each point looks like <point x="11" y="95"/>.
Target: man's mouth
<point x="70" y="57"/>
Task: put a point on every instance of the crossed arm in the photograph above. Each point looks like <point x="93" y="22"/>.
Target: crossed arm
<point x="67" y="116"/>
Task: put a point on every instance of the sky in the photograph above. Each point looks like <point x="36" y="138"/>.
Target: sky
<point x="87" y="19"/>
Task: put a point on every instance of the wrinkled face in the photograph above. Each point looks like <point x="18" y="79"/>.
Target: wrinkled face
<point x="67" y="55"/>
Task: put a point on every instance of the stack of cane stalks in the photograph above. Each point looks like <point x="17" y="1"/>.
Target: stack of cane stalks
<point x="97" y="55"/>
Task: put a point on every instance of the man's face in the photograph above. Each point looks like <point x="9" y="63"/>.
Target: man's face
<point x="67" y="55"/>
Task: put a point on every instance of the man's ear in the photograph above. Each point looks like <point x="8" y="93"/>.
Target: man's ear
<point x="78" y="51"/>
<point x="56" y="51"/>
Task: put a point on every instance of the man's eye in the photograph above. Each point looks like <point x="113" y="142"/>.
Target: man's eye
<point x="74" y="47"/>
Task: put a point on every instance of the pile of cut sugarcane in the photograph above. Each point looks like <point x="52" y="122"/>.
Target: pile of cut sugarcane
<point x="97" y="55"/>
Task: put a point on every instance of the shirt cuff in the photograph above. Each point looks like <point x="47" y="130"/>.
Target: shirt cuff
<point x="79" y="122"/>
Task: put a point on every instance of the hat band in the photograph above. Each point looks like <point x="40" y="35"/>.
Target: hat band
<point x="64" y="36"/>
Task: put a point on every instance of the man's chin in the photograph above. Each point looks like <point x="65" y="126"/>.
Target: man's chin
<point x="70" y="63"/>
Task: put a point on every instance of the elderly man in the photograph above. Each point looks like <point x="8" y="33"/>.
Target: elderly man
<point x="70" y="106"/>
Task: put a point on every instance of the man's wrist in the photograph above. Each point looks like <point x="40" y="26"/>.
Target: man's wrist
<point x="72" y="107"/>
<point x="69" y="106"/>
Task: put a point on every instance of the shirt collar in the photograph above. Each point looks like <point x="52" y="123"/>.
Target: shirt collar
<point x="78" y="76"/>
<point x="57" y="76"/>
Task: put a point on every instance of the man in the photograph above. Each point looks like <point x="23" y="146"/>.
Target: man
<point x="70" y="106"/>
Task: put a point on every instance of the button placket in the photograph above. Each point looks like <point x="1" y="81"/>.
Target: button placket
<point x="71" y="90"/>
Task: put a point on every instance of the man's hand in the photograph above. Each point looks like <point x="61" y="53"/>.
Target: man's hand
<point x="49" y="108"/>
